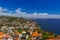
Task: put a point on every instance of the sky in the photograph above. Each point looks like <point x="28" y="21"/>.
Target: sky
<point x="30" y="8"/>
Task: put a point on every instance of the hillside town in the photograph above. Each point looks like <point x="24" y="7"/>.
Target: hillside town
<point x="12" y="28"/>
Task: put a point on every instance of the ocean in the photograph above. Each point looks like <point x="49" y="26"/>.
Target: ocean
<point x="51" y="25"/>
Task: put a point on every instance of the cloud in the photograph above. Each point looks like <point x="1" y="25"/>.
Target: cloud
<point x="19" y="13"/>
<point x="43" y="13"/>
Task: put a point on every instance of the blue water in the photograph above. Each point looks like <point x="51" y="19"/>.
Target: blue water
<point x="52" y="25"/>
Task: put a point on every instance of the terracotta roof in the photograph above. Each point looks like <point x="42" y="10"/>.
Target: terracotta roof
<point x="58" y="37"/>
<point x="34" y="34"/>
<point x="1" y="33"/>
<point x="16" y="39"/>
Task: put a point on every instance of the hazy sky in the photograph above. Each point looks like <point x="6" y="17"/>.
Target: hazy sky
<point x="30" y="7"/>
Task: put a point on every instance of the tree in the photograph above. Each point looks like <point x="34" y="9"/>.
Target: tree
<point x="1" y="25"/>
